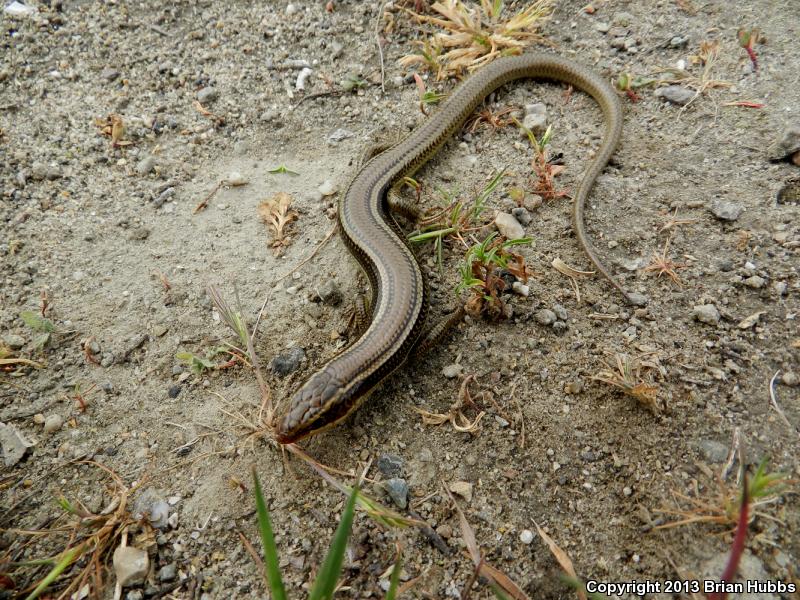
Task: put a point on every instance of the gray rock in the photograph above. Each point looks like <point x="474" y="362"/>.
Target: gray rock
<point x="14" y="444"/>
<point x="168" y="572"/>
<point x="545" y="316"/>
<point x="53" y="423"/>
<point x="288" y="362"/>
<point x="602" y="27"/>
<point x="508" y="226"/>
<point x="678" y="41"/>
<point x="706" y="313"/>
<point x="158" y="514"/>
<point x="134" y="595"/>
<point x="14" y="341"/>
<point x="206" y="95"/>
<point x="109" y="74"/>
<point x="163" y="197"/>
<point x="623" y="19"/>
<point x="787" y="143"/>
<point x="790" y="378"/>
<point x="726" y="211"/>
<point x="130" y="565"/>
<point x="560" y="327"/>
<point x="560" y="311"/>
<point x="339" y="135"/>
<point x="452" y="371"/>
<point x="390" y="465"/>
<point x="146" y="165"/>
<point x="535" y="118"/>
<point x="38" y="170"/>
<point x="397" y="488"/>
<point x="637" y="299"/>
<point x="713" y="451"/>
<point x="329" y="293"/>
<point x="676" y="94"/>
<point x="522" y="215"/>
<point x="520" y="288"/>
<point x="755" y="282"/>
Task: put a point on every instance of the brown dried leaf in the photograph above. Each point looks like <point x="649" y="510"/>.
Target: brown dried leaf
<point x="277" y="215"/>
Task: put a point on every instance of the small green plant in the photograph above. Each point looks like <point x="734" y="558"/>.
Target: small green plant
<point x="200" y="364"/>
<point x="481" y="272"/>
<point x="748" y="37"/>
<point x="40" y="324"/>
<point x="353" y="82"/>
<point x="427" y="98"/>
<point x="282" y="170"/>
<point x="328" y="574"/>
<point x="455" y="220"/>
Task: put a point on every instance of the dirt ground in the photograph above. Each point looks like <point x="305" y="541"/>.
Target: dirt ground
<point x="108" y="234"/>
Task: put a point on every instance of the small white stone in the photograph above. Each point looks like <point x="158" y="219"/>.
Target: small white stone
<point x="521" y="289"/>
<point x="328" y="188"/>
<point x="130" y="565"/>
<point x="53" y="423"/>
<point x="235" y="179"/>
<point x="508" y="226"/>
<point x="526" y="537"/>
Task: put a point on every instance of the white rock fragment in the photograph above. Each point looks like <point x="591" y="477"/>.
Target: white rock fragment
<point x="235" y="179"/>
<point x="463" y="489"/>
<point x="328" y="188"/>
<point x="53" y="423"/>
<point x="526" y="537"/>
<point x="302" y="76"/>
<point x="706" y="313"/>
<point x="508" y="226"/>
<point x="130" y="565"/>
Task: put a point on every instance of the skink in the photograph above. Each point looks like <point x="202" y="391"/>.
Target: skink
<point x="399" y="296"/>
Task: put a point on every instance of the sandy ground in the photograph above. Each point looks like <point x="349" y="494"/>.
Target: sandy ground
<point x="109" y="236"/>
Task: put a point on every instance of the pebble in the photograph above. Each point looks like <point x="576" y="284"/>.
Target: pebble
<point x="397" y="488"/>
<point x="706" y="313"/>
<point x="522" y="215"/>
<point x="545" y="316"/>
<point x="726" y="211"/>
<point x="560" y="312"/>
<point x="146" y="165"/>
<point x="520" y="288"/>
<point x="53" y="423"/>
<point x="109" y="74"/>
<point x="508" y="226"/>
<point x="328" y="188"/>
<point x="339" y="135"/>
<point x="526" y="537"/>
<point x="755" y="282"/>
<point x="713" y="451"/>
<point x="463" y="489"/>
<point x="678" y="41"/>
<point x="288" y="362"/>
<point x="174" y="391"/>
<point x="535" y="118"/>
<point x="38" y="170"/>
<point x="235" y="179"/>
<point x="329" y="293"/>
<point x="790" y="378"/>
<point x="452" y="371"/>
<point x="163" y="197"/>
<point x="168" y="572"/>
<point x="302" y="77"/>
<point x="602" y="27"/>
<point x="623" y="19"/>
<point x="14" y="444"/>
<point x="676" y="94"/>
<point x="638" y="299"/>
<point x="780" y="288"/>
<point x="206" y="95"/>
<point x="786" y="143"/>
<point x="390" y="465"/>
<point x="159" y="514"/>
<point x="14" y="341"/>
<point x="130" y="565"/>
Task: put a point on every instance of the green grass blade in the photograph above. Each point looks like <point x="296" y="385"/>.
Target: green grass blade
<point x="66" y="560"/>
<point x="271" y="568"/>
<point x="394" y="582"/>
<point x="429" y="235"/>
<point x="328" y="575"/>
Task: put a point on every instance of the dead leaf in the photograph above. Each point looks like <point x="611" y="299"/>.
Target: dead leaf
<point x="562" y="558"/>
<point x="277" y="215"/>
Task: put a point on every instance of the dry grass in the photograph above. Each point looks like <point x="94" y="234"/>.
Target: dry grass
<point x="627" y="374"/>
<point x="278" y="215"/>
<point x="706" y="58"/>
<point x="661" y="264"/>
<point x="81" y="567"/>
<point x="474" y="35"/>
<point x="721" y="507"/>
